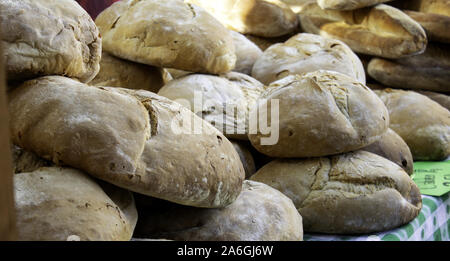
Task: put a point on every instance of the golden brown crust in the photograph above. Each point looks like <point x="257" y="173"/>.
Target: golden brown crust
<point x="352" y="193"/>
<point x="435" y="25"/>
<point x="381" y="30"/>
<point x="260" y="213"/>
<point x="266" y="18"/>
<point x="321" y="113"/>
<point x="49" y="37"/>
<point x="422" y="123"/>
<point x="186" y="37"/>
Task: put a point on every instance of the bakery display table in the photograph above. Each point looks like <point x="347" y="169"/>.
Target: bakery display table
<point x="432" y="224"/>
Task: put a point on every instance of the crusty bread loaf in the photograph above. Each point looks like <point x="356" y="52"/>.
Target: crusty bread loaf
<point x="307" y="53"/>
<point x="246" y="53"/>
<point x="422" y="123"/>
<point x="260" y="213"/>
<point x="266" y="18"/>
<point x="49" y="37"/>
<point x="392" y="147"/>
<point x="435" y="25"/>
<point x="243" y="149"/>
<point x="321" y="113"/>
<point x="380" y="30"/>
<point x="427" y="71"/>
<point x="116" y="72"/>
<point x="60" y="204"/>
<point x="442" y="99"/>
<point x="167" y="33"/>
<point x="352" y="193"/>
<point x="219" y="96"/>
<point x="348" y="4"/>
<point x="133" y="139"/>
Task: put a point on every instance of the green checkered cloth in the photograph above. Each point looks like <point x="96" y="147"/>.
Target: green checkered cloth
<point x="432" y="224"/>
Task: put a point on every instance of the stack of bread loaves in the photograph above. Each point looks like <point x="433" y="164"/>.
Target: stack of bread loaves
<point x="221" y="120"/>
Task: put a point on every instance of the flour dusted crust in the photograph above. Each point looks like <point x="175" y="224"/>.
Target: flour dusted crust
<point x="348" y="4"/>
<point x="352" y="193"/>
<point x="380" y="30"/>
<point x="246" y="53"/>
<point x="307" y="53"/>
<point x="321" y="113"/>
<point x="422" y="123"/>
<point x="260" y="213"/>
<point x="217" y="93"/>
<point x="116" y="72"/>
<point x="133" y="139"/>
<point x="167" y="33"/>
<point x="392" y="147"/>
<point x="427" y="71"/>
<point x="59" y="204"/>
<point x="266" y="18"/>
<point x="49" y="37"/>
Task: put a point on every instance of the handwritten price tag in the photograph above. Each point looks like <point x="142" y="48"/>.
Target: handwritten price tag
<point x="432" y="178"/>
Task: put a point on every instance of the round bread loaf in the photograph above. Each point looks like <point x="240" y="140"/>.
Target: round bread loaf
<point x="246" y="53"/>
<point x="348" y="4"/>
<point x="243" y="149"/>
<point x="380" y="30"/>
<point x="133" y="139"/>
<point x="352" y="193"/>
<point x="224" y="101"/>
<point x="260" y="213"/>
<point x="49" y="37"/>
<point x="116" y="72"/>
<point x="168" y="33"/>
<point x="392" y="147"/>
<point x="266" y="18"/>
<point x="422" y="123"/>
<point x="427" y="71"/>
<point x="307" y="53"/>
<point x="58" y="204"/>
<point x="320" y="113"/>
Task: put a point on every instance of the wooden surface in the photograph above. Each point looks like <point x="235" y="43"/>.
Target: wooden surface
<point x="7" y="231"/>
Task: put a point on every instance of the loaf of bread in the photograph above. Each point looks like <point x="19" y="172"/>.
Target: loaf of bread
<point x="348" y="4"/>
<point x="427" y="71"/>
<point x="392" y="147"/>
<point x="380" y="30"/>
<point x="224" y="101"/>
<point x="266" y="18"/>
<point x="305" y="53"/>
<point x="246" y="53"/>
<point x="136" y="140"/>
<point x="442" y="99"/>
<point x="435" y="25"/>
<point x="49" y="37"/>
<point x="243" y="149"/>
<point x="352" y="193"/>
<point x="260" y="213"/>
<point x="320" y="113"/>
<point x="167" y="33"/>
<point x="59" y="204"/>
<point x="116" y="72"/>
<point x="422" y="123"/>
